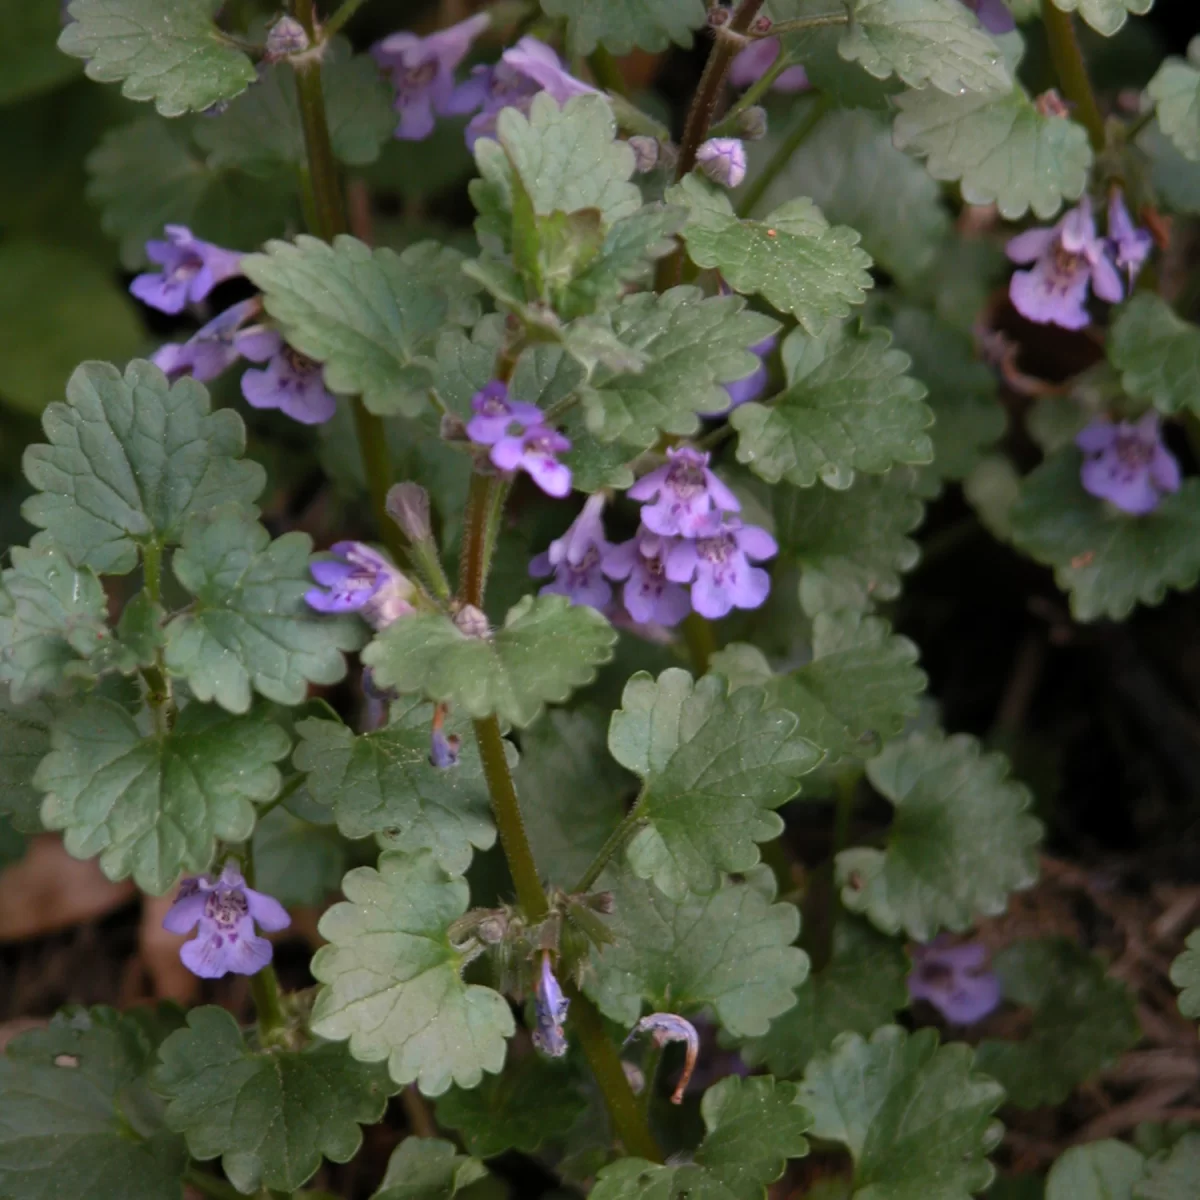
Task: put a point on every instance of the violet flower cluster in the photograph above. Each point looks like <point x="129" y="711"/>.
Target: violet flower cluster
<point x="1127" y="464"/>
<point x="955" y="980"/>
<point x="519" y="439"/>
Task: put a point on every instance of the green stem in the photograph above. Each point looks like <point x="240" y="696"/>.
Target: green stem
<point x="808" y="121"/>
<point x="152" y="570"/>
<point x="701" y="642"/>
<point x="475" y="558"/>
<point x="651" y="1063"/>
<point x="845" y="799"/>
<point x="803" y="24"/>
<point x="158" y="685"/>
<point x="613" y="843"/>
<point x="606" y="72"/>
<point x="1067" y="56"/>
<point x="727" y="125"/>
<point x="339" y="18"/>
<point x="290" y="788"/>
<point x="210" y="1185"/>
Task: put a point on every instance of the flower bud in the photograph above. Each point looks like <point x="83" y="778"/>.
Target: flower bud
<point x="752" y="124"/>
<point x="645" y="153"/>
<point x="408" y="506"/>
<point x="471" y="621"/>
<point x="286" y="37"/>
<point x="723" y="160"/>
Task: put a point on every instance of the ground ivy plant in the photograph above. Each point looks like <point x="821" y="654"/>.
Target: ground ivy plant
<point x="631" y="477"/>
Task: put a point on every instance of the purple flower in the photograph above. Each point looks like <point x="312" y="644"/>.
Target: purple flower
<point x="650" y="597"/>
<point x="534" y="451"/>
<point x="575" y="559"/>
<point x="752" y="63"/>
<point x="723" y="160"/>
<point x="364" y="582"/>
<point x="688" y="499"/>
<point x="496" y="416"/>
<point x="444" y="749"/>
<point x="742" y="391"/>
<point x="1127" y="464"/>
<point x="954" y="980"/>
<point x="993" y="15"/>
<point x="226" y="910"/>
<point x="524" y="70"/>
<point x="215" y="347"/>
<point x="551" y="1008"/>
<point x="190" y="270"/>
<point x="718" y="567"/>
<point x="291" y="382"/>
<point x="422" y="72"/>
<point x="1066" y="257"/>
<point x="1130" y="245"/>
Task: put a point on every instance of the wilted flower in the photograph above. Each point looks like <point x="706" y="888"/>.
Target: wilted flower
<point x="723" y="160"/>
<point x="717" y="566"/>
<point x="688" y="499"/>
<point x="1066" y="257"/>
<point x="364" y="582"/>
<point x="752" y="123"/>
<point x="1127" y="464"/>
<point x="291" y="382"/>
<point x="667" y="1027"/>
<point x="954" y="979"/>
<point x="551" y="1007"/>
<point x="1131" y="245"/>
<point x="422" y="72"/>
<point x="575" y="559"/>
<point x="752" y="63"/>
<point x="650" y="597"/>
<point x="190" y="270"/>
<point x="226" y="911"/>
<point x="215" y="347"/>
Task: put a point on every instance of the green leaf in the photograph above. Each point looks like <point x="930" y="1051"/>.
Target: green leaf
<point x="969" y="417"/>
<point x="382" y="783"/>
<point x="270" y="1115"/>
<point x="130" y="459"/>
<point x="690" y="345"/>
<point x="1157" y="353"/>
<point x="76" y="1118"/>
<point x="371" y="316"/>
<point x="960" y="840"/>
<point x="545" y="649"/>
<point x="712" y="767"/>
<point x="731" y="950"/>
<point x="849" y="406"/>
<point x="1105" y="16"/>
<point x="148" y="174"/>
<point x="624" y="24"/>
<point x="155" y="806"/>
<point x="58" y="306"/>
<point x="250" y="627"/>
<point x="916" y="1117"/>
<point x="1105" y="1170"/>
<point x="859" y="989"/>
<point x="1175" y="90"/>
<point x="752" y="1127"/>
<point x="1000" y="149"/>
<point x="572" y="792"/>
<point x="531" y="1101"/>
<point x="924" y="42"/>
<point x="1106" y="560"/>
<point x="168" y="51"/>
<point x="52" y="623"/>
<point x="1185" y="974"/>
<point x="296" y="861"/>
<point x="30" y="61"/>
<point x="1081" y="1021"/>
<point x="24" y="742"/>
<point x="428" y="1169"/>
<point x="849" y="168"/>
<point x="792" y="257"/>
<point x="852" y="545"/>
<point x="393" y="981"/>
<point x="261" y="132"/>
<point x="1175" y="1176"/>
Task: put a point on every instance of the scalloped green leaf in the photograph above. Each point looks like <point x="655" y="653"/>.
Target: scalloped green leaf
<point x="1081" y="1021"/>
<point x="371" y="316"/>
<point x="1107" y="561"/>
<point x="1175" y="1175"/>
<point x="713" y="767"/>
<point x="1105" y="16"/>
<point x="545" y="649"/>
<point x="1105" y="1170"/>
<point x="76" y="1116"/>
<point x="623" y="25"/>
<point x="731" y="950"/>
<point x="960" y="841"/>
<point x="861" y="987"/>
<point x="792" y="257"/>
<point x="297" y="860"/>
<point x="393" y="980"/>
<point x="1000" y="149"/>
<point x="1185" y="975"/>
<point x="1157" y="353"/>
<point x="849" y="406"/>
<point x="852" y="545"/>
<point x="924" y="42"/>
<point x="915" y="1116"/>
<point x="1175" y="90"/>
<point x="250" y="629"/>
<point x="131" y="458"/>
<point x="24" y="742"/>
<point x="382" y="783"/>
<point x="153" y="807"/>
<point x="168" y="51"/>
<point x="752" y="1127"/>
<point x="269" y="1115"/>
<point x="428" y="1169"/>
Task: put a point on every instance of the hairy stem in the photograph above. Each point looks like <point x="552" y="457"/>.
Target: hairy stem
<point x="339" y="18"/>
<point x="158" y="685"/>
<point x="612" y="844"/>
<point x="1067" y="56"/>
<point x="808" y="121"/>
